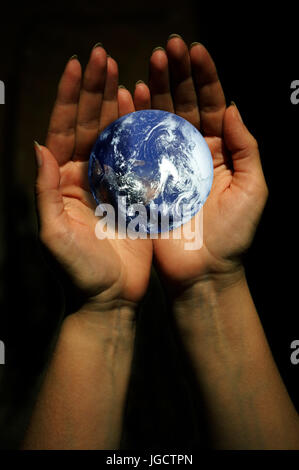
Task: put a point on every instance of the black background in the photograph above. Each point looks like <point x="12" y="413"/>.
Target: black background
<point x="255" y="50"/>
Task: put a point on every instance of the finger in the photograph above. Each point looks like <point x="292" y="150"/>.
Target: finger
<point x="181" y="80"/>
<point x="125" y="102"/>
<point x="89" y="109"/>
<point x="61" y="133"/>
<point x="48" y="198"/>
<point x="210" y="96"/>
<point x="142" y="96"/>
<point x="109" y="111"/>
<point x="159" y="81"/>
<point x="241" y="143"/>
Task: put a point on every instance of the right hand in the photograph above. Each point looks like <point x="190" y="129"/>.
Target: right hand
<point x="186" y="83"/>
<point x="106" y="271"/>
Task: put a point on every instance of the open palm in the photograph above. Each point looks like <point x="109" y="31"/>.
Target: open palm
<point x="186" y="83"/>
<point x="106" y="270"/>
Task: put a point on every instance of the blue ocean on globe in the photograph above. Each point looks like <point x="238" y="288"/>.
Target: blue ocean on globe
<point x="155" y="159"/>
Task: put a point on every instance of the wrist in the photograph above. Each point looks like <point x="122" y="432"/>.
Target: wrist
<point x="212" y="282"/>
<point x="201" y="301"/>
<point x="106" y="319"/>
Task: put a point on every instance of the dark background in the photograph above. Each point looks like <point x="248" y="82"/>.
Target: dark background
<point x="256" y="55"/>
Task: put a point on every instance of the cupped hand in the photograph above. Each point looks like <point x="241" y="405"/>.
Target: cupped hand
<point x="185" y="82"/>
<point x="104" y="270"/>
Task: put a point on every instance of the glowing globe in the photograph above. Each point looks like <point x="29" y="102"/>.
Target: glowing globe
<point x="155" y="160"/>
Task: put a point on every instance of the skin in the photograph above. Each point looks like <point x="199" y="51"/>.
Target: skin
<point x="106" y="270"/>
<point x="92" y="358"/>
<point x="239" y="192"/>
<point x="246" y="402"/>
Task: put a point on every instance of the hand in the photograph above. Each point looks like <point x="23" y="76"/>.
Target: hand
<point x="187" y="83"/>
<point x="106" y="271"/>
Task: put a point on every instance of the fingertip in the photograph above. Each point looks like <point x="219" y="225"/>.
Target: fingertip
<point x="175" y="40"/>
<point x="48" y="176"/>
<point x="97" y="44"/>
<point x="174" y="35"/>
<point x="123" y="93"/>
<point x="125" y="101"/>
<point x="158" y="60"/>
<point x="112" y="63"/>
<point x="233" y="122"/>
<point x="73" y="64"/>
<point x="70" y="80"/>
<point x="195" y="44"/>
<point x="112" y="69"/>
<point x="142" y="97"/>
<point x="141" y="87"/>
<point x="176" y="47"/>
<point x="73" y="57"/>
<point x="38" y="153"/>
<point x="158" y="53"/>
<point x="236" y="111"/>
<point x="203" y="63"/>
<point x="159" y="73"/>
<point x="198" y="53"/>
<point x="236" y="135"/>
<point x="98" y="56"/>
<point x="196" y="50"/>
<point x="98" y="49"/>
<point x="46" y="156"/>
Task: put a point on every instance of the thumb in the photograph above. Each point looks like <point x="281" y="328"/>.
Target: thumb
<point x="48" y="197"/>
<point x="238" y="140"/>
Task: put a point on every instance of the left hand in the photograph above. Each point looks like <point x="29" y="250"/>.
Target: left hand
<point x="186" y="83"/>
<point x="109" y="271"/>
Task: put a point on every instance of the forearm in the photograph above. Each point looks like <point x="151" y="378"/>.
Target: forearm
<point x="247" y="403"/>
<point x="82" y="399"/>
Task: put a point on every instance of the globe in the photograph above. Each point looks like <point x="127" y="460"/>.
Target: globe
<point x="156" y="164"/>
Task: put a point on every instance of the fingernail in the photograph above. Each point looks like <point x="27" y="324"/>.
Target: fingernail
<point x="122" y="86"/>
<point x="98" y="44"/>
<point x="73" y="57"/>
<point x="195" y="44"/>
<point x="158" y="48"/>
<point x="238" y="112"/>
<point x="174" y="36"/>
<point x="138" y="82"/>
<point x="38" y="154"/>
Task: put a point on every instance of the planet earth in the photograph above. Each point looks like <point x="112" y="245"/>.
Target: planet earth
<point x="154" y="160"/>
